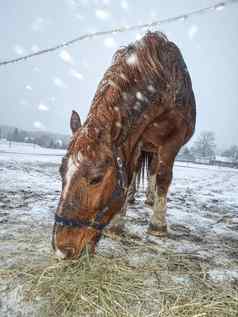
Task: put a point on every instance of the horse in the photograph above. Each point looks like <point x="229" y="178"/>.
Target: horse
<point x="142" y="113"/>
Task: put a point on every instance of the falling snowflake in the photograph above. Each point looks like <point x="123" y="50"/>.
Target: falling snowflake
<point x="28" y="87"/>
<point x="43" y="107"/>
<point x="139" y="96"/>
<point x="76" y="74"/>
<point x="139" y="36"/>
<point x="124" y="4"/>
<point x="132" y="59"/>
<point x="192" y="31"/>
<point x="59" y="82"/>
<point x="66" y="57"/>
<point x="110" y="42"/>
<point x="19" y="49"/>
<point x="39" y="125"/>
<point x="102" y="14"/>
<point x="151" y="88"/>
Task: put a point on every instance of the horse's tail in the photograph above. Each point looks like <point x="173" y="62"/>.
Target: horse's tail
<point x="144" y="167"/>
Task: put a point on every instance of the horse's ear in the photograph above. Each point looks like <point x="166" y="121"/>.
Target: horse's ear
<point x="75" y="122"/>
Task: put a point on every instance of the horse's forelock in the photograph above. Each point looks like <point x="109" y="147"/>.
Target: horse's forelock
<point x="83" y="148"/>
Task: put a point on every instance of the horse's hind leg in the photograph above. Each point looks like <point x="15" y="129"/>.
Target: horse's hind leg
<point x="118" y="222"/>
<point x="131" y="191"/>
<point x="163" y="178"/>
<point x="150" y="191"/>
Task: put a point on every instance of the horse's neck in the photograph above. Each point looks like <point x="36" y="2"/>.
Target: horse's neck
<point x="122" y="138"/>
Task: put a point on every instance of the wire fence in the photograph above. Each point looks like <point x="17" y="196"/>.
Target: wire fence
<point x="182" y="17"/>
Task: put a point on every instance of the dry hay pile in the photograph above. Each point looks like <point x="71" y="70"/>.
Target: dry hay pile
<point x="169" y="285"/>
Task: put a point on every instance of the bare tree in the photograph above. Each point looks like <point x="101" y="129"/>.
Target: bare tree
<point x="232" y="152"/>
<point x="205" y="145"/>
<point x="185" y="154"/>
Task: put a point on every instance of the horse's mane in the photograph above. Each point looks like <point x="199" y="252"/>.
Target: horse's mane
<point x="133" y="67"/>
<point x="141" y="73"/>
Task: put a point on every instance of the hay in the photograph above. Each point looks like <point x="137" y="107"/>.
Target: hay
<point x="112" y="287"/>
<point x="100" y="286"/>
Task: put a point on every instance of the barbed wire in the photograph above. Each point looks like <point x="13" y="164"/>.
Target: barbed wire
<point x="181" y="17"/>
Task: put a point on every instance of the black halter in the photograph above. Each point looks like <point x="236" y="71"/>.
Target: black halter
<point x="116" y="194"/>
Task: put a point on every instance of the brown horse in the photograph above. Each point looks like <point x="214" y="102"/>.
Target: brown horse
<point x="142" y="113"/>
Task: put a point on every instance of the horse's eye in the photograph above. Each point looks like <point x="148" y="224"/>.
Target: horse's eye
<point x="95" y="180"/>
<point x="107" y="161"/>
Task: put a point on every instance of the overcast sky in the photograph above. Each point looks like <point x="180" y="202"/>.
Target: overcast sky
<point x="40" y="93"/>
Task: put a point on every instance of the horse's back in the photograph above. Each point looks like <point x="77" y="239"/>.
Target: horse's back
<point x="149" y="74"/>
<point x="155" y="72"/>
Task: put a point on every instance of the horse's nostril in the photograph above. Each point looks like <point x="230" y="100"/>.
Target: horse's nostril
<point x="69" y="251"/>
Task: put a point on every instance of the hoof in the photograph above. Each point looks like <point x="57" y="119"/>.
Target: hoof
<point x="116" y="229"/>
<point x="131" y="200"/>
<point x="158" y="231"/>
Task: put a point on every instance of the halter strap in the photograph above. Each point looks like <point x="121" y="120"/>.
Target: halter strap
<point x="117" y="193"/>
<point x="78" y="223"/>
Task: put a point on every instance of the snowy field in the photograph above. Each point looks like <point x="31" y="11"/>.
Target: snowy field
<point x="202" y="217"/>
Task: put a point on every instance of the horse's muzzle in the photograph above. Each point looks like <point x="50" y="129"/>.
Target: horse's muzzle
<point x="65" y="253"/>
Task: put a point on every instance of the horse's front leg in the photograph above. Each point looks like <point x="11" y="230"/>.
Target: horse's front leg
<point x="117" y="224"/>
<point x="150" y="191"/>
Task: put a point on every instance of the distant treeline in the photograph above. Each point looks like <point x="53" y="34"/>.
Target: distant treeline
<point x="204" y="150"/>
<point x="44" y="139"/>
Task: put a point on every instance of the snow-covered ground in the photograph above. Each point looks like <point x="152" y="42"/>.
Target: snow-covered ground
<point x="202" y="214"/>
<point x="27" y="148"/>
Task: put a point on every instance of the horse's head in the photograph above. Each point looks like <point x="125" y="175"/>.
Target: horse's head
<point x="92" y="192"/>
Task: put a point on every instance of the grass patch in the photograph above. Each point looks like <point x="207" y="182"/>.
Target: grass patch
<point x="170" y="285"/>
